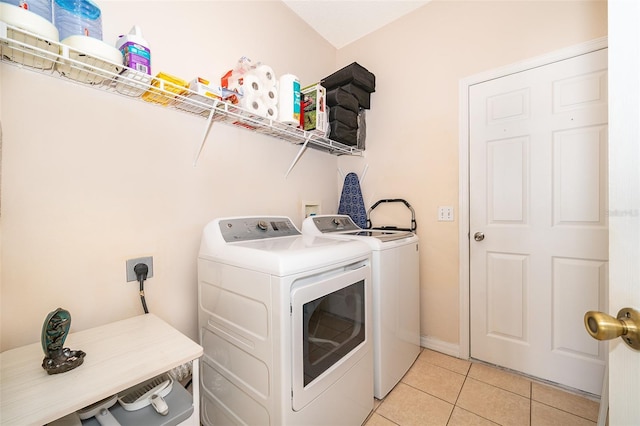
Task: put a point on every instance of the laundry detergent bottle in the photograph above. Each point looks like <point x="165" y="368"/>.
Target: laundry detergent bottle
<point x="77" y="17"/>
<point x="135" y="50"/>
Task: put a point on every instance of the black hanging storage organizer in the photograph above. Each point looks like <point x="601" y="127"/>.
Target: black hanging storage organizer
<point x="413" y="226"/>
<point x="348" y="96"/>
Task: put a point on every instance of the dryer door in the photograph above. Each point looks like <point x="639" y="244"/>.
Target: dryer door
<point x="331" y="325"/>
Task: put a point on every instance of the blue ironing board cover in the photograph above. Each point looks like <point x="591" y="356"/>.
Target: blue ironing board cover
<point x="351" y="202"/>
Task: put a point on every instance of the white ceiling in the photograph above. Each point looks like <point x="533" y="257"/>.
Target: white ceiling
<point x="341" y="22"/>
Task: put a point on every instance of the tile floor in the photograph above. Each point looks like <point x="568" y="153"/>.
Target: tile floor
<point x="443" y="390"/>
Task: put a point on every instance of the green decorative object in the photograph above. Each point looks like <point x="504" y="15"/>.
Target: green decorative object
<point x="55" y="329"/>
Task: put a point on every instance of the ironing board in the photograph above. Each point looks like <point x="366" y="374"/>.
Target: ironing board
<point x="351" y="202"/>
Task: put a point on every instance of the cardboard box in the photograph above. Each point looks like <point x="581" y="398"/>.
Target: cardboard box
<point x="200" y="91"/>
<point x="313" y="101"/>
<point x="164" y="89"/>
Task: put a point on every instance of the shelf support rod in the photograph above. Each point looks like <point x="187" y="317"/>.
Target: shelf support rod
<point x="302" y="149"/>
<point x="207" y="129"/>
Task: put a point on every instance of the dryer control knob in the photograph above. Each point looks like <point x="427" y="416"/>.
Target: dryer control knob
<point x="262" y="225"/>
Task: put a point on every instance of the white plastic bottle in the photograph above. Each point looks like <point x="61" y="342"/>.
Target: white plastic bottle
<point x="42" y="8"/>
<point x="135" y="50"/>
<point x="77" y="17"/>
<point x="134" y="80"/>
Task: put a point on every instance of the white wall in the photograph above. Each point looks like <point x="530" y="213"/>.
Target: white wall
<point x="90" y="179"/>
<point x="412" y="128"/>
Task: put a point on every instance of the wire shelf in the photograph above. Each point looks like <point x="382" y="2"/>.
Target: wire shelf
<point x="33" y="52"/>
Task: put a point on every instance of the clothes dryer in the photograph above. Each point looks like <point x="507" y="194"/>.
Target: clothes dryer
<point x="396" y="294"/>
<point x="285" y="323"/>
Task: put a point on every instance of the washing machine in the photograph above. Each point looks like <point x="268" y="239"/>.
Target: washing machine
<point x="396" y="294"/>
<point x="285" y="323"/>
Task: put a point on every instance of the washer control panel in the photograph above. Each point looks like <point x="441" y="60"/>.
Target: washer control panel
<point x="339" y="223"/>
<point x="256" y="228"/>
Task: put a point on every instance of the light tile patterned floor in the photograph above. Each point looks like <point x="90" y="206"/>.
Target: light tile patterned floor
<point x="446" y="391"/>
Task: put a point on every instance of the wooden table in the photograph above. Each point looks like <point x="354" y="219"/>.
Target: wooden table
<point x="119" y="355"/>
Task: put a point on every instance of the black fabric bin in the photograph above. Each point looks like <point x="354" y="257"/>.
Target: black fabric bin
<point x="353" y="73"/>
<point x="364" y="98"/>
<point x="341" y="97"/>
<point x="342" y="133"/>
<point x="343" y="115"/>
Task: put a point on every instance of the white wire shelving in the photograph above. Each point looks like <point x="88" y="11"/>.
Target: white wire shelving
<point x="33" y="52"/>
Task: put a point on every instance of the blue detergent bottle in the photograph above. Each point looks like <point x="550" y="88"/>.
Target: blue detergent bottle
<point x="77" y="17"/>
<point x="39" y="7"/>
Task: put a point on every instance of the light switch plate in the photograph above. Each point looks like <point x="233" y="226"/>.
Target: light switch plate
<point x="445" y="214"/>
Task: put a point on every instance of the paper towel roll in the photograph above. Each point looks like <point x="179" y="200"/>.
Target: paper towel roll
<point x="289" y="100"/>
<point x="270" y="96"/>
<point x="252" y="85"/>
<point x="255" y="105"/>
<point x="272" y="112"/>
<point x="266" y="74"/>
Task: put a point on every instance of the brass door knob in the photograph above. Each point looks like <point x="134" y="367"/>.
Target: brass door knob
<point x="602" y="326"/>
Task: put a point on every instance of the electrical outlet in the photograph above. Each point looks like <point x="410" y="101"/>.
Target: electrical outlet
<point x="131" y="263"/>
<point x="445" y="214"/>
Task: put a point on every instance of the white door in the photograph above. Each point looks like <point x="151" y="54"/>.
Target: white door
<point x="538" y="204"/>
<point x="624" y="287"/>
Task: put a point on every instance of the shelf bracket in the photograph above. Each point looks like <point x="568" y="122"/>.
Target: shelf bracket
<point x="302" y="149"/>
<point x="207" y="129"/>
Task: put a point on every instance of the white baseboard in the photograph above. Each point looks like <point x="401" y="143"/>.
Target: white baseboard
<point x="452" y="349"/>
